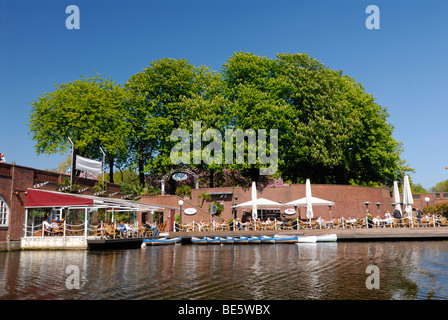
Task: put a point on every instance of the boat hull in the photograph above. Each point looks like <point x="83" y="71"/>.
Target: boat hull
<point x="327" y="238"/>
<point x="241" y="240"/>
<point x="267" y="240"/>
<point x="307" y="239"/>
<point x="215" y="240"/>
<point x="227" y="240"/>
<point x="197" y="240"/>
<point x="254" y="240"/>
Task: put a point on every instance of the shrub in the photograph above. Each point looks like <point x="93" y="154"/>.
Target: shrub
<point x="440" y="208"/>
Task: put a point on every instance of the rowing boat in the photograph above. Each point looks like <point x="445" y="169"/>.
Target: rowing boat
<point x="215" y="240"/>
<point x="162" y="241"/>
<point x="254" y="240"/>
<point x="327" y="238"/>
<point x="266" y="239"/>
<point x="285" y="239"/>
<point x="197" y="240"/>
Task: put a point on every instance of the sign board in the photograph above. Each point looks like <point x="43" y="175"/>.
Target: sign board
<point x="190" y="211"/>
<point x="179" y="176"/>
<point x="290" y="211"/>
<point x="213" y="208"/>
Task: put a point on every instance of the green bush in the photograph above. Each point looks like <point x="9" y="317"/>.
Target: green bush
<point x="440" y="208"/>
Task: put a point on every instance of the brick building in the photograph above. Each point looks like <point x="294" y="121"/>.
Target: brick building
<point x="349" y="200"/>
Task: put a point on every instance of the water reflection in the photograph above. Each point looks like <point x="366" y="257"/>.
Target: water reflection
<point x="408" y="270"/>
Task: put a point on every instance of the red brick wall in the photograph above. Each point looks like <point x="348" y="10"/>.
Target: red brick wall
<point x="349" y="200"/>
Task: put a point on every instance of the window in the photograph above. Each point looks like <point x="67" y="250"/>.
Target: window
<point x="4" y="212"/>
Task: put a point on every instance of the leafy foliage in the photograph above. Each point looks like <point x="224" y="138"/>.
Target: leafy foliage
<point x="330" y="129"/>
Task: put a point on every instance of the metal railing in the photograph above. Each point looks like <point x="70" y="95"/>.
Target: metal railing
<point x="342" y="223"/>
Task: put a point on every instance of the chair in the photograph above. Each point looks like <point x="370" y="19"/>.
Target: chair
<point x="99" y="231"/>
<point x="112" y="232"/>
<point x="443" y="222"/>
<point x="397" y="223"/>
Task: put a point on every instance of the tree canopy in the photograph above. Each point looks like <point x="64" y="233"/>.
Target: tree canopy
<point x="329" y="128"/>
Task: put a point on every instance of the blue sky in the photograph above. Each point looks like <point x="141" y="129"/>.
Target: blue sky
<point x="403" y="64"/>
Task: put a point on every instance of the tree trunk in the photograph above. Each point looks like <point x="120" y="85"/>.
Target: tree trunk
<point x="111" y="170"/>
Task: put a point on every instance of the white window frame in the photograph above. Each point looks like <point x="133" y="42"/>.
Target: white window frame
<point x="4" y="213"/>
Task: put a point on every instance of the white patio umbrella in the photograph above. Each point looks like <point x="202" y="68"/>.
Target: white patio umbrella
<point x="408" y="200"/>
<point x="309" y="205"/>
<point x="254" y="201"/>
<point x="259" y="202"/>
<point x="309" y="201"/>
<point x="397" y="197"/>
<point x="314" y="201"/>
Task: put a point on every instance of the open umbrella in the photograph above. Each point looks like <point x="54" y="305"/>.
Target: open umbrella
<point x="259" y="202"/>
<point x="309" y="201"/>
<point x="408" y="200"/>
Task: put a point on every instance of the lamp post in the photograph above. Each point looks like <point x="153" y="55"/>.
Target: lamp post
<point x="180" y="210"/>
<point x="378" y="204"/>
<point x="367" y="212"/>
<point x="427" y="201"/>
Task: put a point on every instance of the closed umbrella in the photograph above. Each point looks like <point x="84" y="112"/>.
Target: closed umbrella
<point x="309" y="205"/>
<point x="397" y="197"/>
<point x="254" y="201"/>
<point x="408" y="200"/>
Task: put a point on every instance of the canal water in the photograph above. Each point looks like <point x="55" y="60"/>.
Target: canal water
<point x="320" y="271"/>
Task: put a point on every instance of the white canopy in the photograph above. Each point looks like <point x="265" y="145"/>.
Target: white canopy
<point x="262" y="202"/>
<point x="314" y="201"/>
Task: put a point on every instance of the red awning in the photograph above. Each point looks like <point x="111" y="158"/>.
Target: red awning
<point x="40" y="198"/>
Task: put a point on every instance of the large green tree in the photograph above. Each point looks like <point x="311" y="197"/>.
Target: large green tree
<point x="89" y="111"/>
<point x="156" y="110"/>
<point x="330" y="129"/>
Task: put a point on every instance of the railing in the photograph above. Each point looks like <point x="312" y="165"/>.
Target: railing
<point x="63" y="230"/>
<point x="314" y="224"/>
<point x="103" y="231"/>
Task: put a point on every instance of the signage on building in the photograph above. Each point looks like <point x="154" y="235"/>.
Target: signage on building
<point x="179" y="176"/>
<point x="290" y="211"/>
<point x="190" y="211"/>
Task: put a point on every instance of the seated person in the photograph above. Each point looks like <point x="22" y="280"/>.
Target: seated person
<point x="46" y="226"/>
<point x="122" y="229"/>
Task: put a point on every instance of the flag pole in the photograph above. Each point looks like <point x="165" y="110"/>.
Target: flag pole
<point x="71" y="162"/>
<point x="104" y="159"/>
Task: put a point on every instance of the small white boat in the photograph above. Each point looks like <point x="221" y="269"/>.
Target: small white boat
<point x="327" y="238"/>
<point x="307" y="239"/>
<point x="285" y="239"/>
